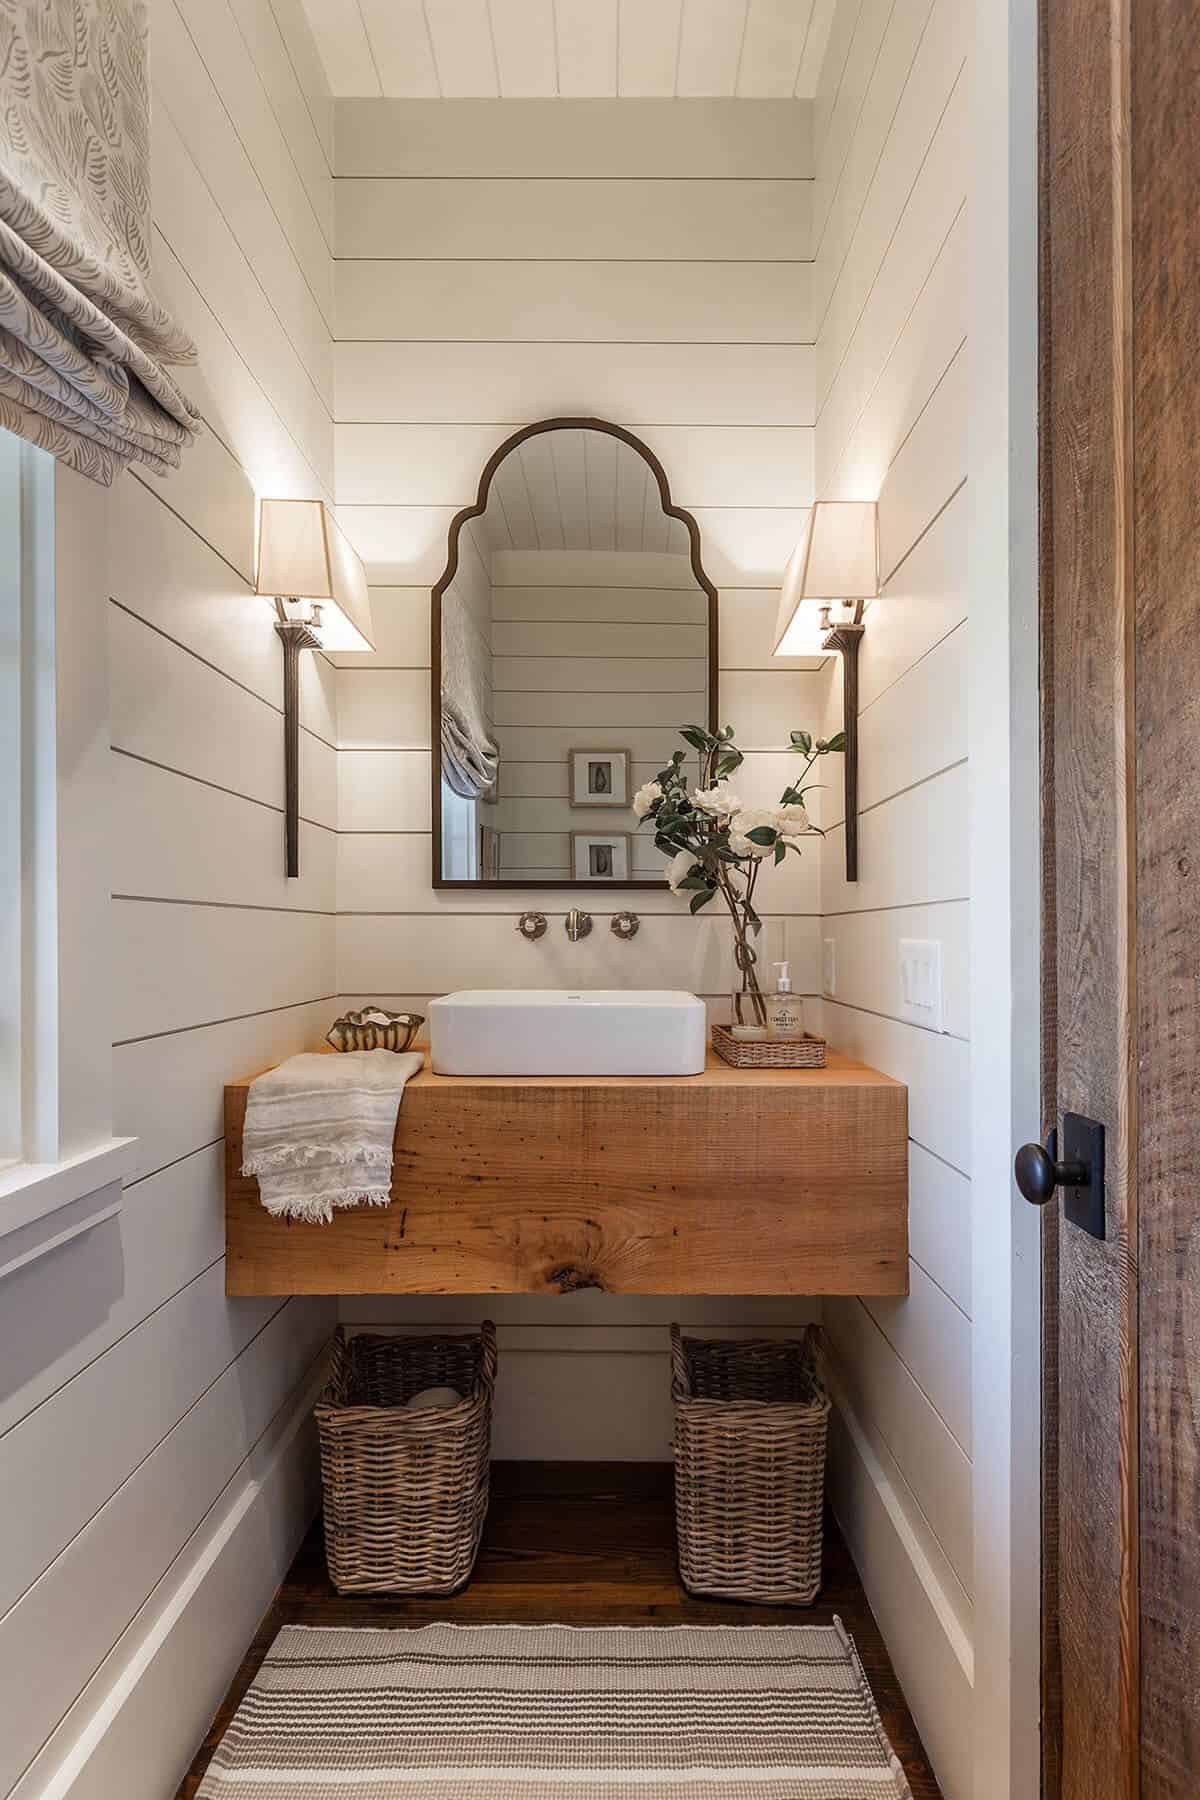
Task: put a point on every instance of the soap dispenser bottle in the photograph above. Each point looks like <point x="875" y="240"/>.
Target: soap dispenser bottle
<point x="785" y="1019"/>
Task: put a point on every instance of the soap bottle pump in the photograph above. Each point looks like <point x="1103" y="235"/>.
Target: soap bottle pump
<point x="785" y="1019"/>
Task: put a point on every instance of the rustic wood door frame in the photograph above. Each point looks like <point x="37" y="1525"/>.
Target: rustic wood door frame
<point x="1089" y="1301"/>
<point x="1120" y="118"/>
<point x="1090" y="1404"/>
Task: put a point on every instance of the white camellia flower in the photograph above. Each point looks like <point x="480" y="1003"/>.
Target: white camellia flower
<point x="794" y="820"/>
<point x="680" y="867"/>
<point x="746" y="821"/>
<point x="720" y="801"/>
<point x="645" y="798"/>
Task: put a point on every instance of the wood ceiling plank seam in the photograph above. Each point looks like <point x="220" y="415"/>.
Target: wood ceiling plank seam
<point x="710" y="43"/>
<point x="370" y="46"/>
<point x="341" y="41"/>
<point x="402" y="48"/>
<point x="648" y="47"/>
<point x="464" y="49"/>
<point x="587" y="39"/>
<point x="773" y="49"/>
<point x="525" y="46"/>
<point x="737" y="71"/>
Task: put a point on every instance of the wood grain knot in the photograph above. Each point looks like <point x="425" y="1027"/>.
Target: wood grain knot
<point x="569" y="1280"/>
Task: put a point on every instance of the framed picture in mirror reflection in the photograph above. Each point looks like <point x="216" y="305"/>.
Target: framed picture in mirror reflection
<point x="600" y="855"/>
<point x="599" y="777"/>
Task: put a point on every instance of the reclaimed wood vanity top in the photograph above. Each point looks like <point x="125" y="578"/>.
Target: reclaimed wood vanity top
<point x="735" y="1181"/>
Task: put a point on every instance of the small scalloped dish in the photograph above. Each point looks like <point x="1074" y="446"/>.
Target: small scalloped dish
<point x="374" y="1028"/>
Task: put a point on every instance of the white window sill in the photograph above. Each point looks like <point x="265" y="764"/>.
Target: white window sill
<point x="32" y="1191"/>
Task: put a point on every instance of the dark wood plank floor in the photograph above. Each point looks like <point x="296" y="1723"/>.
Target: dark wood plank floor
<point x="580" y="1544"/>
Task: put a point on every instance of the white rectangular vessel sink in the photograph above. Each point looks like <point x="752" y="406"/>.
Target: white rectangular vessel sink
<point x="561" y="1031"/>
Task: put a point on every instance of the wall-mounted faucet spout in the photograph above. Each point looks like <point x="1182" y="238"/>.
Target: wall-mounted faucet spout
<point x="578" y="924"/>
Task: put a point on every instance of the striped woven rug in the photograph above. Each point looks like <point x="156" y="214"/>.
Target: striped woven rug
<point x="552" y="1712"/>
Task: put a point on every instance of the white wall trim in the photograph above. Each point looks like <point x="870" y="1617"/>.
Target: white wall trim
<point x="249" y="1512"/>
<point x="909" y="1541"/>
<point x="22" y="1248"/>
<point x="1005" y="878"/>
<point x="29" y="807"/>
<point x="926" y="1652"/>
<point x="32" y="1190"/>
<point x="85" y="980"/>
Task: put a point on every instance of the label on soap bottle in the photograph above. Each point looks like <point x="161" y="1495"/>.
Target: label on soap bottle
<point x="785" y="1016"/>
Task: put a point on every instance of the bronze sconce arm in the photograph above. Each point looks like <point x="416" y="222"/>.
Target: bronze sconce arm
<point x="847" y="638"/>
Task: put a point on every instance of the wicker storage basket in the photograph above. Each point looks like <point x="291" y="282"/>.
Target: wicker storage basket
<point x="750" y="1426"/>
<point x="406" y="1493"/>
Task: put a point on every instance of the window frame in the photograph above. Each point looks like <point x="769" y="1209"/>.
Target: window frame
<point x="59" y="1161"/>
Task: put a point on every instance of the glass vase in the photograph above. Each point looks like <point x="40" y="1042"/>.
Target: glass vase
<point x="748" y="1009"/>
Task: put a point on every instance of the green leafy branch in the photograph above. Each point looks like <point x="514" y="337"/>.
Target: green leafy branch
<point x="718" y="846"/>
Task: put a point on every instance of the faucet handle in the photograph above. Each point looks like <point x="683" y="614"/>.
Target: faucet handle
<point x="578" y="924"/>
<point x="625" y="925"/>
<point x="532" y="926"/>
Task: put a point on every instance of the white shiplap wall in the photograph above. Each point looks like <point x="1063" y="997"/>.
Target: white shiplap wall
<point x="500" y="262"/>
<point x="563" y="669"/>
<point x="889" y="301"/>
<point x="156" y="1468"/>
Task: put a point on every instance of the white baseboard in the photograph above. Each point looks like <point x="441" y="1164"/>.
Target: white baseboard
<point x="136" y="1726"/>
<point x="929" y="1645"/>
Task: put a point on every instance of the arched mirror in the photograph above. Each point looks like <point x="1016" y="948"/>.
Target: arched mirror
<point x="574" y="633"/>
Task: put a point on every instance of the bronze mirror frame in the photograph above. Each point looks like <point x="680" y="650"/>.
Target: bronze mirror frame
<point x="435" y="632"/>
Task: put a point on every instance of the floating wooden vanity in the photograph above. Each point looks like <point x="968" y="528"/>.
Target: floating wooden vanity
<point x="736" y="1181"/>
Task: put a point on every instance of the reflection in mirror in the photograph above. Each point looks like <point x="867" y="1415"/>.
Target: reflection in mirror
<point x="574" y="643"/>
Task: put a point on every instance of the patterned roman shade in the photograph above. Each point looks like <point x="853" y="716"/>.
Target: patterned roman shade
<point x="470" y="755"/>
<point x="82" y="339"/>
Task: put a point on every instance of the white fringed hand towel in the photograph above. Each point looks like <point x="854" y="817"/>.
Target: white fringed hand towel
<point x="319" y="1130"/>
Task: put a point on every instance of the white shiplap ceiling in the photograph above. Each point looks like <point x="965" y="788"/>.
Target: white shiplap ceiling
<point x="579" y="490"/>
<point x="571" y="49"/>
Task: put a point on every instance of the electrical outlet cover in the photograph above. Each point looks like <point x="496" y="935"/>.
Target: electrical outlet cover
<point x="921" y="982"/>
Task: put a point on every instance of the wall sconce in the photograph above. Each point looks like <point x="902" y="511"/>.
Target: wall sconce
<point x="833" y="572"/>
<point x="319" y="588"/>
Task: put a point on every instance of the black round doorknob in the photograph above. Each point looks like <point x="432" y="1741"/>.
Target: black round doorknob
<point x="1035" y="1172"/>
<point x="1038" y="1175"/>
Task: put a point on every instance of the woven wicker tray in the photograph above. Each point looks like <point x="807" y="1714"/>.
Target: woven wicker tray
<point x="766" y="1053"/>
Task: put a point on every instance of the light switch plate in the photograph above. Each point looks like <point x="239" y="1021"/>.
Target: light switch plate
<point x="921" y="982"/>
<point x="829" y="967"/>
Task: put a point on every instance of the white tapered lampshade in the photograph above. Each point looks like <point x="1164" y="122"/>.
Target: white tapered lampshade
<point x="833" y="568"/>
<point x="303" y="556"/>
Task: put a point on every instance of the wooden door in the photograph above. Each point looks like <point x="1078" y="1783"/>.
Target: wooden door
<point x="1120" y="489"/>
